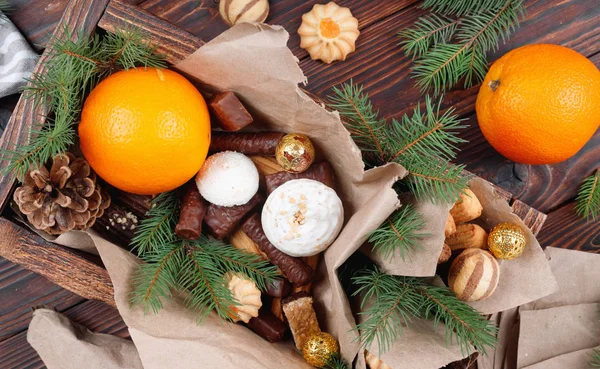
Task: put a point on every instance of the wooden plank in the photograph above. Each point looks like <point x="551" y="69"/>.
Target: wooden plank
<point x="21" y="289"/>
<point x="565" y="229"/>
<point x="80" y="15"/>
<point x="59" y="264"/>
<point x="202" y="18"/>
<point x="96" y="316"/>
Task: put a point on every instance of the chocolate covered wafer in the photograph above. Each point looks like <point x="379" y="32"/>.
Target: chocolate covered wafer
<point x="268" y="326"/>
<point x="294" y="269"/>
<point x="301" y="317"/>
<point x="193" y="211"/>
<point x="278" y="288"/>
<point x="321" y="172"/>
<point x="222" y="220"/>
<point x="248" y="143"/>
<point x="230" y="112"/>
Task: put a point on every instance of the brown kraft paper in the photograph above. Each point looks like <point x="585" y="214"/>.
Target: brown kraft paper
<point x="573" y="360"/>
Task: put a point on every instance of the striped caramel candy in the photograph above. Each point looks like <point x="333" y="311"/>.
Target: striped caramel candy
<point x="466" y="208"/>
<point x="474" y="275"/>
<point x="241" y="11"/>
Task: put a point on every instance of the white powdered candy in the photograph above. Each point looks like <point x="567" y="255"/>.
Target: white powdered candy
<point x="302" y="217"/>
<point x="227" y="179"/>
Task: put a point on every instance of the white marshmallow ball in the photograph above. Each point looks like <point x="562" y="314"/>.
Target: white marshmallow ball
<point x="227" y="178"/>
<point x="302" y="217"/>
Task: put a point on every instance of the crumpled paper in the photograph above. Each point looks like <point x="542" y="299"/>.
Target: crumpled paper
<point x="63" y="344"/>
<point x="573" y="360"/>
<point x="577" y="275"/>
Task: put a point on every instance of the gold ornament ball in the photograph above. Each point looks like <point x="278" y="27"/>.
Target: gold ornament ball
<point x="507" y="241"/>
<point x="295" y="152"/>
<point x="319" y="348"/>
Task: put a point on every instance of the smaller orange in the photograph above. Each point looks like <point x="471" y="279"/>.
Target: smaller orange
<point x="539" y="104"/>
<point x="145" y="130"/>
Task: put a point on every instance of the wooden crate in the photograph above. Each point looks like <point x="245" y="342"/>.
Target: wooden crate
<point x="78" y="272"/>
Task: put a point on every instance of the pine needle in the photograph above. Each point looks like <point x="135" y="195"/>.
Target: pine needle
<point x="595" y="362"/>
<point x="399" y="233"/>
<point x="397" y="300"/>
<point x="447" y="50"/>
<point x="587" y="203"/>
<point x="336" y="362"/>
<point x="156" y="229"/>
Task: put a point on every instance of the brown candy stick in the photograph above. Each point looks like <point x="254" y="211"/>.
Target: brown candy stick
<point x="268" y="326"/>
<point x="294" y="269"/>
<point x="248" y="143"/>
<point x="192" y="214"/>
<point x="313" y="262"/>
<point x="301" y="317"/>
<point x="221" y="220"/>
<point x="321" y="172"/>
<point x="279" y="288"/>
<point x="241" y="241"/>
<point x="230" y="112"/>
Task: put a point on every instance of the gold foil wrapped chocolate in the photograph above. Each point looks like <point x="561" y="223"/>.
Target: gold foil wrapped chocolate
<point x="506" y="241"/>
<point x="295" y="152"/>
<point x="319" y="348"/>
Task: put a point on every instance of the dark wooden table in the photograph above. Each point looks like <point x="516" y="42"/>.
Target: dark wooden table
<point x="380" y="65"/>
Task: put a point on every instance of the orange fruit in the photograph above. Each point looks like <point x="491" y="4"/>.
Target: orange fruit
<point x="145" y="130"/>
<point x="539" y="104"/>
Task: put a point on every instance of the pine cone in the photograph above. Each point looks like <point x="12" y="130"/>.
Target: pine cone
<point x="65" y="198"/>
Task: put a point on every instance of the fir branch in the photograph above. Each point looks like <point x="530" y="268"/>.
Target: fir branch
<point x="427" y="32"/>
<point x="436" y="180"/>
<point x="460" y="7"/>
<point x="396" y="300"/>
<point x="336" y="362"/>
<point x="156" y="229"/>
<point x="595" y="361"/>
<point x="463" y="324"/>
<point x="361" y="120"/>
<point x="587" y="203"/>
<point x="448" y="50"/>
<point x="399" y="233"/>
<point x="126" y="48"/>
<point x="155" y="279"/>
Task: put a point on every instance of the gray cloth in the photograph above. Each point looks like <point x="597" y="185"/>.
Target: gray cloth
<point x="17" y="59"/>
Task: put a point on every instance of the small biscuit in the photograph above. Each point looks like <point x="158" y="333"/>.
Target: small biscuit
<point x="468" y="236"/>
<point x="466" y="208"/>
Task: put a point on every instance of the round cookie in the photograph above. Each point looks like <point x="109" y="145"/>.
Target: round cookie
<point x="474" y="275"/>
<point x="302" y="217"/>
<point x="227" y="178"/>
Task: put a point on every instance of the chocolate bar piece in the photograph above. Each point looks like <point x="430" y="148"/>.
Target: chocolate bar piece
<point x="192" y="213"/>
<point x="268" y="326"/>
<point x="230" y="112"/>
<point x="294" y="269"/>
<point x="248" y="143"/>
<point x="321" y="172"/>
<point x="278" y="288"/>
<point x="222" y="220"/>
<point x="301" y="317"/>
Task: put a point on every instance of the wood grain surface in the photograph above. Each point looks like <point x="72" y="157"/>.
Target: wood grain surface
<point x="381" y="67"/>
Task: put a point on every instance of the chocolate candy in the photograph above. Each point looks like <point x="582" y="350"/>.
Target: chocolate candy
<point x="294" y="269"/>
<point x="321" y="172"/>
<point x="229" y="110"/>
<point x="268" y="326"/>
<point x="222" y="220"/>
<point x="249" y="143"/>
<point x="278" y="288"/>
<point x="192" y="213"/>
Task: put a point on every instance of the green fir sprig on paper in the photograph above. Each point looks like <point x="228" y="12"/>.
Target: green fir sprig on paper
<point x="198" y="268"/>
<point x="71" y="70"/>
<point x="390" y="303"/>
<point x="452" y="45"/>
<point x="595" y="362"/>
<point x="587" y="203"/>
<point x="336" y="362"/>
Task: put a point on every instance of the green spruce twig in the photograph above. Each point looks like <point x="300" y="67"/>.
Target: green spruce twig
<point x="595" y="362"/>
<point x="422" y="142"/>
<point x="336" y="362"/>
<point x="156" y="228"/>
<point x="587" y="203"/>
<point x="399" y="233"/>
<point x="447" y="50"/>
<point x="73" y="68"/>
<point x="395" y="301"/>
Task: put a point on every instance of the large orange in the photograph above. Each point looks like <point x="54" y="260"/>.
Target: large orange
<point x="539" y="104"/>
<point x="145" y="131"/>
